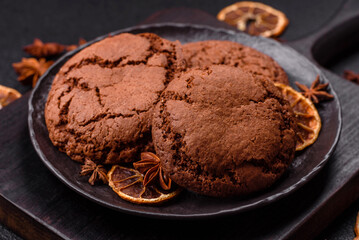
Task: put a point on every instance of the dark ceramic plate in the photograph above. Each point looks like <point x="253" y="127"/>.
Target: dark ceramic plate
<point x="189" y="205"/>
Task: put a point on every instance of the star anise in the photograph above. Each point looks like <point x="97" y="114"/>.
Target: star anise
<point x="74" y="46"/>
<point x="42" y="50"/>
<point x="351" y="76"/>
<point x="31" y="69"/>
<point x="316" y="92"/>
<point x="150" y="166"/>
<point x="98" y="172"/>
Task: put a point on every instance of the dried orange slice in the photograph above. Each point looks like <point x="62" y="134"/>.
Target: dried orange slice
<point x="307" y="116"/>
<point x="7" y="95"/>
<point x="128" y="184"/>
<point x="254" y="18"/>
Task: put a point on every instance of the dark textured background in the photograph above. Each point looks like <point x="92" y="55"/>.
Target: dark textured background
<point x="65" y="21"/>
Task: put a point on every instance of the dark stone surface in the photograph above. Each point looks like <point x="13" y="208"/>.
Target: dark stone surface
<point x="65" y="21"/>
<point x="343" y="227"/>
<point x="7" y="234"/>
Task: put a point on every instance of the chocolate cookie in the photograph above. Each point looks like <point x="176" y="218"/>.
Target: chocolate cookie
<point x="222" y="132"/>
<point x="101" y="101"/>
<point x="214" y="52"/>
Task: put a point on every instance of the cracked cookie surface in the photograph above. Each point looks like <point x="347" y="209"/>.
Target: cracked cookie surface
<point x="101" y="101"/>
<point x="215" y="52"/>
<point x="222" y="132"/>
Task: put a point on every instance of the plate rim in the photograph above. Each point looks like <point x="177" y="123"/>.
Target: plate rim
<point x="231" y="211"/>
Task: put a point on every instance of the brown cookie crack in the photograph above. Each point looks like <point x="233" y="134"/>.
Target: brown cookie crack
<point x="216" y="52"/>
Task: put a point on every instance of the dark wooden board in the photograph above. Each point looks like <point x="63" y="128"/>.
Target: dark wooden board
<point x="35" y="204"/>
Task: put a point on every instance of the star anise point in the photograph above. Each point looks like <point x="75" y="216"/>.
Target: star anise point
<point x="351" y="76"/>
<point x="74" y="46"/>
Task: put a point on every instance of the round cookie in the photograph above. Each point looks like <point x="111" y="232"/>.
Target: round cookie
<point x="215" y="52"/>
<point x="101" y="101"/>
<point x="221" y="132"/>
